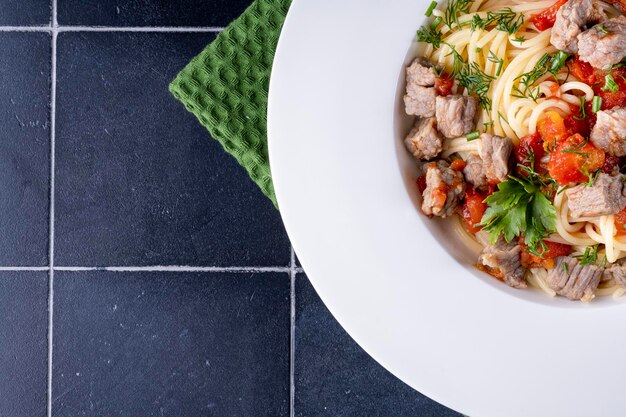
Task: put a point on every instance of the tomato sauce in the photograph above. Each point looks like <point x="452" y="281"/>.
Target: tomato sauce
<point x="545" y="20"/>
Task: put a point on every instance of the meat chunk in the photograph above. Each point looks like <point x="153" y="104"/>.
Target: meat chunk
<point x="474" y="172"/>
<point x="502" y="260"/>
<point x="616" y="272"/>
<point x="604" y="197"/>
<point x="424" y="140"/>
<point x="571" y="19"/>
<point x="603" y="45"/>
<point x="455" y="115"/>
<point x="444" y="189"/>
<point x="496" y="152"/>
<point x="609" y="132"/>
<point x="420" y="101"/>
<point x="421" y="72"/>
<point x="572" y="280"/>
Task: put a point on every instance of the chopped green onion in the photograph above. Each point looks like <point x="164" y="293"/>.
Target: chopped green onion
<point x="558" y="60"/>
<point x="610" y="84"/>
<point x="436" y="22"/>
<point x="596" y="104"/>
<point x="430" y="9"/>
<point x="602" y="29"/>
<point x="473" y="135"/>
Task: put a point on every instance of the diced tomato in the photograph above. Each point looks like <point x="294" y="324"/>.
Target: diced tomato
<point x="545" y="20"/>
<point x="552" y="129"/>
<point x="573" y="159"/>
<point x="583" y="71"/>
<point x="575" y="123"/>
<point x="421" y="184"/>
<point x="620" y="222"/>
<point x="473" y="209"/>
<point x="444" y="84"/>
<point x="546" y="260"/>
<point x="611" y="164"/>
<point x="439" y="197"/>
<point x="458" y="165"/>
<point x="612" y="99"/>
<point x="530" y="144"/>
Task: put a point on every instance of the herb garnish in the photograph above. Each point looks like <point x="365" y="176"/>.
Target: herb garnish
<point x="520" y="206"/>
<point x="451" y="15"/>
<point x="590" y="256"/>
<point x="610" y="84"/>
<point x="583" y="112"/>
<point x="505" y="20"/>
<point x="602" y="29"/>
<point x="496" y="60"/>
<point x="547" y="64"/>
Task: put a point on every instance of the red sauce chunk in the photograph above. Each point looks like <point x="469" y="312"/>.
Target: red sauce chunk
<point x="421" y="184"/>
<point x="612" y="99"/>
<point x="444" y="84"/>
<point x="473" y="209"/>
<point x="530" y="147"/>
<point x="611" y="164"/>
<point x="546" y="260"/>
<point x="545" y="20"/>
<point x="583" y="71"/>
<point x="574" y="160"/>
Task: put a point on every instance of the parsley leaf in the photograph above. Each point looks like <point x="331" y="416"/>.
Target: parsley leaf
<point x="519" y="207"/>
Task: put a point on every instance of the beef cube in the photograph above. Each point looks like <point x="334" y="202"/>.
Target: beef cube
<point x="616" y="272"/>
<point x="572" y="280"/>
<point x="603" y="45"/>
<point x="496" y="152"/>
<point x="424" y="141"/>
<point x="502" y="260"/>
<point x="571" y="19"/>
<point x="444" y="189"/>
<point x="421" y="72"/>
<point x="420" y="101"/>
<point x="603" y="198"/>
<point x="455" y="115"/>
<point x="609" y="132"/>
<point x="474" y="172"/>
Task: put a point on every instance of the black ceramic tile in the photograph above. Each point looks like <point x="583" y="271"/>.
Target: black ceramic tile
<point x="23" y="344"/>
<point x="335" y="377"/>
<point x="150" y="12"/>
<point x="138" y="180"/>
<point x="25" y="12"/>
<point x="24" y="148"/>
<point x="171" y="344"/>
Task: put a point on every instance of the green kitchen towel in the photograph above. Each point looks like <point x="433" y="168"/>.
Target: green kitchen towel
<point x="226" y="86"/>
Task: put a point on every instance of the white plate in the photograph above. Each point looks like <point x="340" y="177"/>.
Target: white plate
<point x="344" y="187"/>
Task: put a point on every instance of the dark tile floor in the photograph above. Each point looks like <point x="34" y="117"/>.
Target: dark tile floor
<point x="166" y="275"/>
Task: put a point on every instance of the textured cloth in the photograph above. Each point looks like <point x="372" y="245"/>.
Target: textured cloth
<point x="226" y="86"/>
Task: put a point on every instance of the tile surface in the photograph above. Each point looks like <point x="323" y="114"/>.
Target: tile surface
<point x="150" y="12"/>
<point x="171" y="344"/>
<point x="335" y="377"/>
<point x="25" y="12"/>
<point x="24" y="148"/>
<point x="138" y="179"/>
<point x="23" y="343"/>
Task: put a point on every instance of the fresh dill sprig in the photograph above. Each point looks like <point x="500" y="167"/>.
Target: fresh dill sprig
<point x="583" y="112"/>
<point x="453" y="9"/>
<point x="505" y="20"/>
<point x="547" y="64"/>
<point x="496" y="60"/>
<point x="431" y="33"/>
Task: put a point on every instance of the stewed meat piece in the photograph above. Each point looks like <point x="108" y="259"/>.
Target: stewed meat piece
<point x="474" y="172"/>
<point x="444" y="189"/>
<point x="502" y="260"/>
<point x="496" y="152"/>
<point x="604" y="197"/>
<point x="420" y="101"/>
<point x="424" y="141"/>
<point x="571" y="19"/>
<point x="455" y="115"/>
<point x="617" y="272"/>
<point x="421" y="72"/>
<point x="572" y="280"/>
<point x="603" y="45"/>
<point x="609" y="132"/>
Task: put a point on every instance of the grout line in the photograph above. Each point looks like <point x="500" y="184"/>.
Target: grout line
<point x="292" y="333"/>
<point x="56" y="28"/>
<point x="176" y="268"/>
<point x="53" y="92"/>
